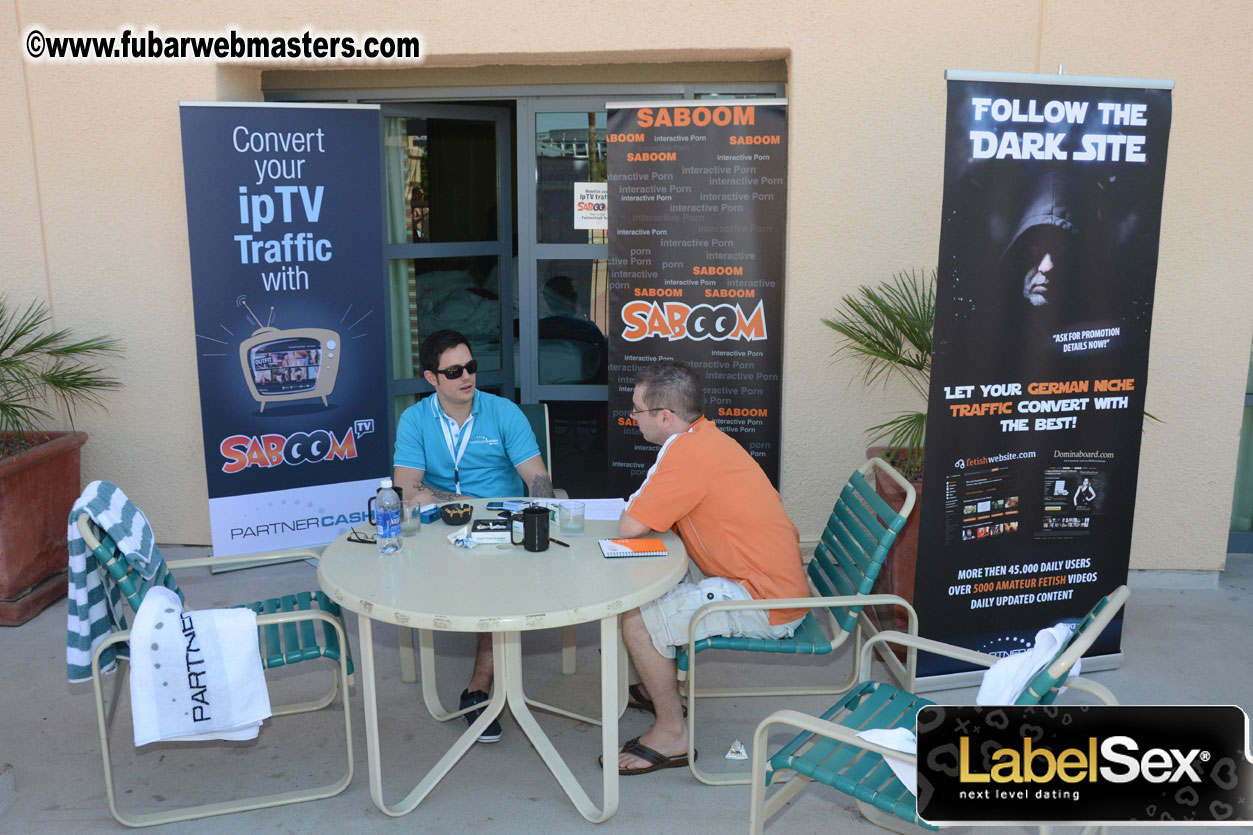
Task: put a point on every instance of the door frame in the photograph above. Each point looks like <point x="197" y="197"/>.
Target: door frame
<point x="502" y="247"/>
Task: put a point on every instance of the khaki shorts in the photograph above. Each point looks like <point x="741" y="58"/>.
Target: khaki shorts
<point x="667" y="618"/>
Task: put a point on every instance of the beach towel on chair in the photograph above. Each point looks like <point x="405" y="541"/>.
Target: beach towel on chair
<point x="195" y="675"/>
<point x="1005" y="680"/>
<point x="95" y="607"/>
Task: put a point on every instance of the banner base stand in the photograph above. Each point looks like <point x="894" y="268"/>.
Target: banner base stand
<point x="973" y="678"/>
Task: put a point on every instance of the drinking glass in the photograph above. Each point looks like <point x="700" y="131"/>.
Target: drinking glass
<point x="570" y="516"/>
<point x="410" y="516"/>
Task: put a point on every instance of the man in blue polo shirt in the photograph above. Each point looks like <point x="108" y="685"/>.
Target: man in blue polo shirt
<point x="463" y="443"/>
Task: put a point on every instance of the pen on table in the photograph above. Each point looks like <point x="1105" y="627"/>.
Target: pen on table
<point x="559" y="542"/>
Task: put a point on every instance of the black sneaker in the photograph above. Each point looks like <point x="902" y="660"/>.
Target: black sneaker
<point x="469" y="698"/>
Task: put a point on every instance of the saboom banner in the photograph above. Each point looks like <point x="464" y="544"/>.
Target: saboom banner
<point x="697" y="216"/>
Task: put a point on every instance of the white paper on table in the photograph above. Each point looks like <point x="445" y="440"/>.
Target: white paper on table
<point x="603" y="510"/>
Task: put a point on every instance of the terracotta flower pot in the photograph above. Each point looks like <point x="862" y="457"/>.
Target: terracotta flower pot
<point x="37" y="490"/>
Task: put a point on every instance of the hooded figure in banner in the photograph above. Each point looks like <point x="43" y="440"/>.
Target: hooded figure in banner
<point x="1040" y="255"/>
<point x="1055" y="273"/>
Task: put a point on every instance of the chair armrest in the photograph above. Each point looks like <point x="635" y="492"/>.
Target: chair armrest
<point x="845" y="601"/>
<point x="270" y="557"/>
<point x="92" y="543"/>
<point x="812" y="724"/>
<point x="272" y="618"/>
<point x="1115" y="600"/>
<point x="306" y="614"/>
<point x="1095" y="688"/>
<point x="112" y="638"/>
<point x="887" y="469"/>
<point x="925" y="644"/>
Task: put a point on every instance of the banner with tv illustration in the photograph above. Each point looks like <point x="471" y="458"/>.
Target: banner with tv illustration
<point x="1044" y="302"/>
<point x="284" y="225"/>
<point x="697" y="221"/>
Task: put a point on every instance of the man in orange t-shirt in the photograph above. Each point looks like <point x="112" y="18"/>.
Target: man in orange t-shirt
<point x="707" y="488"/>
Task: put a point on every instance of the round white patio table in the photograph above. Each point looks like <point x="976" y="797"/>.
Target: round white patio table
<point x="432" y="585"/>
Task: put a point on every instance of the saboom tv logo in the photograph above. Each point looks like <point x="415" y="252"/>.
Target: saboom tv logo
<point x="273" y="450"/>
<point x="678" y="320"/>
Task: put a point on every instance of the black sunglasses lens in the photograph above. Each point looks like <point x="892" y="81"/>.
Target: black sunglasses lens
<point x="453" y="372"/>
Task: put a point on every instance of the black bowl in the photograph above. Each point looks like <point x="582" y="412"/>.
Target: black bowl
<point x="456" y="514"/>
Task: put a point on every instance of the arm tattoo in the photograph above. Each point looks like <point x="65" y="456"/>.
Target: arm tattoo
<point x="541" y="486"/>
<point x="440" y="495"/>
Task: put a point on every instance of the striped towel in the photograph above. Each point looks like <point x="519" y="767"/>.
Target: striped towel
<point x="95" y="606"/>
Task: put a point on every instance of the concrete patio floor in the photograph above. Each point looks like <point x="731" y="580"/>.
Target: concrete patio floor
<point x="1186" y="641"/>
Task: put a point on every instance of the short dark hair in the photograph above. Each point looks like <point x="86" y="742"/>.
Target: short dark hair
<point x="670" y="384"/>
<point x="436" y="344"/>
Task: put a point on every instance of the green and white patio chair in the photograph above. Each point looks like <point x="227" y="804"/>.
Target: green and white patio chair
<point x="829" y="751"/>
<point x="846" y="562"/>
<point x="291" y="629"/>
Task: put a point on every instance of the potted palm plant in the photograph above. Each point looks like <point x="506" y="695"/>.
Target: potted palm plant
<point x="887" y="329"/>
<point x="40" y="370"/>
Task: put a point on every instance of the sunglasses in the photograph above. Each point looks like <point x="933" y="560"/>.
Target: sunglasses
<point x="453" y="372"/>
<point x="361" y="538"/>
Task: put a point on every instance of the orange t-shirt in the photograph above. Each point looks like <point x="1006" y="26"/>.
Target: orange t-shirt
<point x="729" y="516"/>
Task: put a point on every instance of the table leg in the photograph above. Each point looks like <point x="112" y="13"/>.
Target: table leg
<point x="569" y="648"/>
<point x="509" y="678"/>
<point x="624" y="676"/>
<point x="408" y="672"/>
<point x="369" y="696"/>
<point x="426" y="654"/>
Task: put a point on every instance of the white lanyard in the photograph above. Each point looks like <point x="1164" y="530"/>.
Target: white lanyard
<point x="454" y="450"/>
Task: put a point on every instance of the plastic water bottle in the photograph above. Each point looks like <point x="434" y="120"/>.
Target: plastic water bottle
<point x="387" y="515"/>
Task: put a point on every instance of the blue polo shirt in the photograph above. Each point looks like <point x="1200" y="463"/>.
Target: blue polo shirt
<point x="500" y="438"/>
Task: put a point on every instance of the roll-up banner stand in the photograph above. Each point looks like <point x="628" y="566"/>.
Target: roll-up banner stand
<point x="1048" y="256"/>
<point x="697" y="214"/>
<point x="284" y="222"/>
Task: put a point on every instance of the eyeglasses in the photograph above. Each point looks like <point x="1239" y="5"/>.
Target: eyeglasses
<point x="453" y="372"/>
<point x="361" y="538"/>
<point x="635" y="412"/>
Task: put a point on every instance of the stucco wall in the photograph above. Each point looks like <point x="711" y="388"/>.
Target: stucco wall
<point x="94" y="218"/>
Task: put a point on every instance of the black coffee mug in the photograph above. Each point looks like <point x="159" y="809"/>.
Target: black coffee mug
<point x="534" y="521"/>
<point x="369" y="505"/>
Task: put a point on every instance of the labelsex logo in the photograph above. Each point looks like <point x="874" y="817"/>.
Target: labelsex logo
<point x="1073" y="765"/>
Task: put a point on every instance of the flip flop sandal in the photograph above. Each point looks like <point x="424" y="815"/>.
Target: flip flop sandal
<point x="637" y="700"/>
<point x="656" y="760"/>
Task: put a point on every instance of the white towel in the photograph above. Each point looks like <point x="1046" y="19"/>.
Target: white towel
<point x="1005" y="680"/>
<point x="195" y="676"/>
<point x="898" y="739"/>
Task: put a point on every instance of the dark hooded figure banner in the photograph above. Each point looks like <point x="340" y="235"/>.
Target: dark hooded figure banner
<point x="1048" y="255"/>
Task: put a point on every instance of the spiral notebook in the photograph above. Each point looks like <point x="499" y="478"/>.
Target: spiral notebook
<point x="615" y="548"/>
